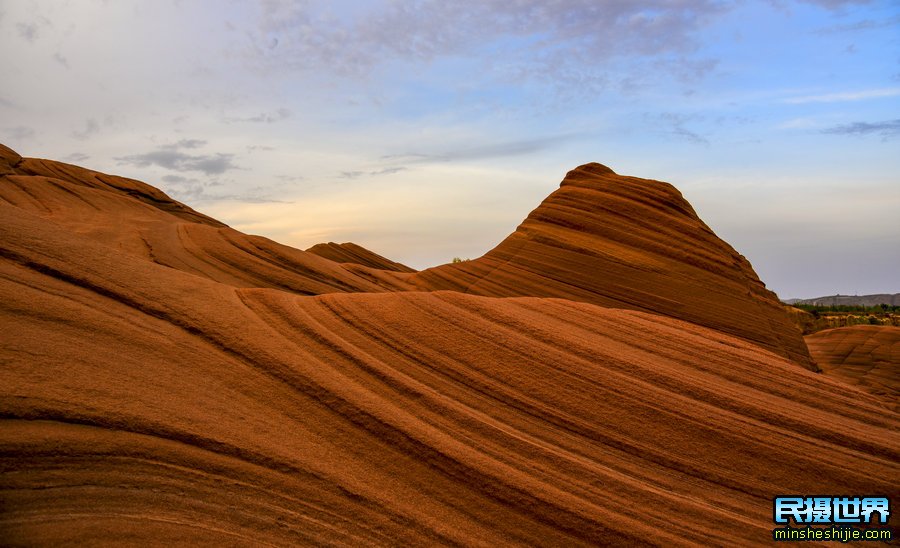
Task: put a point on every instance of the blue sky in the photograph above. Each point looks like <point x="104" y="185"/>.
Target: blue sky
<point x="428" y="130"/>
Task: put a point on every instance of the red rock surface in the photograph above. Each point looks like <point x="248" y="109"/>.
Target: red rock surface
<point x="866" y="356"/>
<point x="151" y="403"/>
<point x="140" y="220"/>
<point x="631" y="243"/>
<point x="354" y="254"/>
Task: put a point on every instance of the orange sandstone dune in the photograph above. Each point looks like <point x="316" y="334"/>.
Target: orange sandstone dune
<point x="632" y="243"/>
<point x="198" y="395"/>
<point x="867" y="356"/>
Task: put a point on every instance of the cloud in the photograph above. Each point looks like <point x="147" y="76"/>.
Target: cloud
<point x="185" y="143"/>
<point x="675" y="124"/>
<point x="389" y="170"/>
<point x="835" y="4"/>
<point x="485" y="152"/>
<point x="171" y="157"/>
<point x="289" y="178"/>
<point x="863" y="25"/>
<point x="28" y="31"/>
<point x="61" y="59"/>
<point x="887" y="129"/>
<point x="383" y="171"/>
<point x="568" y="40"/>
<point x="76" y="157"/>
<point x="91" y="126"/>
<point x="845" y="96"/>
<point x="265" y="117"/>
<point x="19" y="133"/>
<point x="193" y="190"/>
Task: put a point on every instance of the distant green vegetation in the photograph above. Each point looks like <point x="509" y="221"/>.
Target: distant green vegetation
<point x="458" y="260"/>
<point x="843" y="315"/>
<point x="848" y="309"/>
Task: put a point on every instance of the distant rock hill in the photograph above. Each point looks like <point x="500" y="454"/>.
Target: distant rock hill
<point x="354" y="254"/>
<point x="850" y="300"/>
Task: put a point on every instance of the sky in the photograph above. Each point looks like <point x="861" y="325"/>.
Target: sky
<point x="427" y="130"/>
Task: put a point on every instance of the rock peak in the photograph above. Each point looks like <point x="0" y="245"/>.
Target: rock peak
<point x="593" y="168"/>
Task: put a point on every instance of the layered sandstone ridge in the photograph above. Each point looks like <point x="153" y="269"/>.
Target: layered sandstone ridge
<point x="168" y="380"/>
<point x="632" y="243"/>
<point x="145" y="403"/>
<point x="140" y="220"/>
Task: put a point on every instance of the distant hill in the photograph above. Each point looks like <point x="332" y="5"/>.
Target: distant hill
<point x="850" y="300"/>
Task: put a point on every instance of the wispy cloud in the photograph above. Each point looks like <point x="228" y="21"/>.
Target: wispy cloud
<point x="61" y="59"/>
<point x="28" y="31"/>
<point x="570" y="40"/>
<point x="845" y="96"/>
<point x="264" y="117"/>
<point x="196" y="190"/>
<point x="835" y="4"/>
<point x="486" y="151"/>
<point x="383" y="171"/>
<point x="864" y="25"/>
<point x="19" y="133"/>
<point x="676" y="125"/>
<point x="172" y="157"/>
<point x="91" y="126"/>
<point x="76" y="157"/>
<point x="886" y="129"/>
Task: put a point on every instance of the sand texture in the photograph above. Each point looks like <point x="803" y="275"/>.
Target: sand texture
<point x="867" y="356"/>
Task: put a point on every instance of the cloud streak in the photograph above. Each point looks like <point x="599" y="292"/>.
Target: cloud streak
<point x="845" y="96"/>
<point x="19" y="133"/>
<point x="886" y="129"/>
<point x="864" y="25"/>
<point x="173" y="158"/>
<point x="486" y="151"/>
<point x="358" y="174"/>
<point x="265" y="117"/>
<point x="570" y="40"/>
<point x="676" y="126"/>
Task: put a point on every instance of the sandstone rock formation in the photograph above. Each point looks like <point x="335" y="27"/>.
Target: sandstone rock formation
<point x="351" y="253"/>
<point x="630" y="243"/>
<point x="168" y="380"/>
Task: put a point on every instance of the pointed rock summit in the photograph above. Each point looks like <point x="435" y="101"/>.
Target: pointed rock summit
<point x="627" y="242"/>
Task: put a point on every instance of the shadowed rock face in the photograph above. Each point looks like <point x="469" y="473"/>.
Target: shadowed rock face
<point x="866" y="356"/>
<point x="631" y="243"/>
<point x="167" y="400"/>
